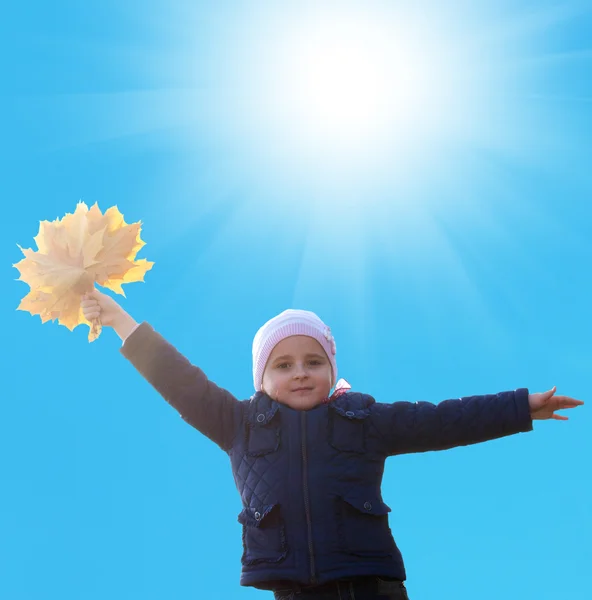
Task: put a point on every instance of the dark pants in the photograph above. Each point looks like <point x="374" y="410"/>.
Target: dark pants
<point x="359" y="588"/>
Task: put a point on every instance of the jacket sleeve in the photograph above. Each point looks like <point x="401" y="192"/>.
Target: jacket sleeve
<point x="407" y="427"/>
<point x="212" y="410"/>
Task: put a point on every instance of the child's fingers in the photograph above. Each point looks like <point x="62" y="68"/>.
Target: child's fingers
<point x="546" y="396"/>
<point x="89" y="303"/>
<point x="90" y="307"/>
<point x="568" y="402"/>
<point x="91" y="294"/>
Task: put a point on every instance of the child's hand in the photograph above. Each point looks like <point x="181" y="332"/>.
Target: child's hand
<point x="96" y="304"/>
<point x="544" y="404"/>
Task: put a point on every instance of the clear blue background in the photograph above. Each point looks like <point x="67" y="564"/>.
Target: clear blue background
<point x="482" y="286"/>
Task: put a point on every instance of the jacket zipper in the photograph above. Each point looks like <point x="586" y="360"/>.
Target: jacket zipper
<point x="306" y="500"/>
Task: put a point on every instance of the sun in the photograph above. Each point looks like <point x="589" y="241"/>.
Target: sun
<point x="335" y="81"/>
<point x="349" y="89"/>
<point x="351" y="103"/>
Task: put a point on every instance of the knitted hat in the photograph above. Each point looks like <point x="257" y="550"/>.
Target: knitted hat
<point x="290" y="322"/>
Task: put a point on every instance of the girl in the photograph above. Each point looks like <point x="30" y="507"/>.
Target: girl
<point x="307" y="464"/>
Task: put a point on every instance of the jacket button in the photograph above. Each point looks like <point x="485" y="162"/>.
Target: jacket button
<point x="349" y="413"/>
<point x="260" y="418"/>
<point x="367" y="505"/>
<point x="257" y="516"/>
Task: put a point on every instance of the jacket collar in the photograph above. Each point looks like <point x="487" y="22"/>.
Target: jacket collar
<point x="261" y="409"/>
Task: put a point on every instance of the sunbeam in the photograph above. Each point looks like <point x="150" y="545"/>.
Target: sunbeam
<point x="345" y="106"/>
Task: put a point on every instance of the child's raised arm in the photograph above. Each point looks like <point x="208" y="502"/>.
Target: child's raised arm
<point x="212" y="410"/>
<point x="407" y="427"/>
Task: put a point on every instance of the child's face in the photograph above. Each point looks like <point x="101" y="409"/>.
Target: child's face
<point x="298" y="373"/>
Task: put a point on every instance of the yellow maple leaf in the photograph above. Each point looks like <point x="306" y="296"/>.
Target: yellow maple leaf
<point x="74" y="253"/>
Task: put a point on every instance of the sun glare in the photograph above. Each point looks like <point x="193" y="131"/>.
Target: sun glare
<point x="332" y="81"/>
<point x="354" y="103"/>
<point x="348" y="129"/>
<point x="352" y="90"/>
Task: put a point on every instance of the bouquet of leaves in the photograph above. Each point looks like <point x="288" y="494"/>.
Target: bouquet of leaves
<point x="74" y="253"/>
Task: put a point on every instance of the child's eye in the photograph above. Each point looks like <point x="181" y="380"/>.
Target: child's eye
<point x="283" y="366"/>
<point x="316" y="363"/>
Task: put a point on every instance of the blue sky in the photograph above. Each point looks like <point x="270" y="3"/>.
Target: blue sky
<point x="417" y="173"/>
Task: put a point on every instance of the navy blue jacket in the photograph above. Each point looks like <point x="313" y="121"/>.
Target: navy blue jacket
<point x="310" y="480"/>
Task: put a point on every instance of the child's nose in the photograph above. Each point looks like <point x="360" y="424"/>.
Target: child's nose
<point x="300" y="371"/>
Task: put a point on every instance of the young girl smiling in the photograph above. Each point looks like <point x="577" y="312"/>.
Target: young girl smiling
<point x="308" y="463"/>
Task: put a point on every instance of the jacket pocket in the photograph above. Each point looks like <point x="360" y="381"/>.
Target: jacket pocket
<point x="347" y="429"/>
<point x="363" y="525"/>
<point x="262" y="433"/>
<point x="264" y="536"/>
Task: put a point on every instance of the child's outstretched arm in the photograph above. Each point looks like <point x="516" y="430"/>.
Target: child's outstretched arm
<point x="407" y="427"/>
<point x="210" y="409"/>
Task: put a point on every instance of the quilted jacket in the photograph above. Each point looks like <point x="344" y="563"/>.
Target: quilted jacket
<point x="310" y="480"/>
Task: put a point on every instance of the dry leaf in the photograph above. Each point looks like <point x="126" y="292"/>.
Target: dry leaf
<point x="74" y="253"/>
